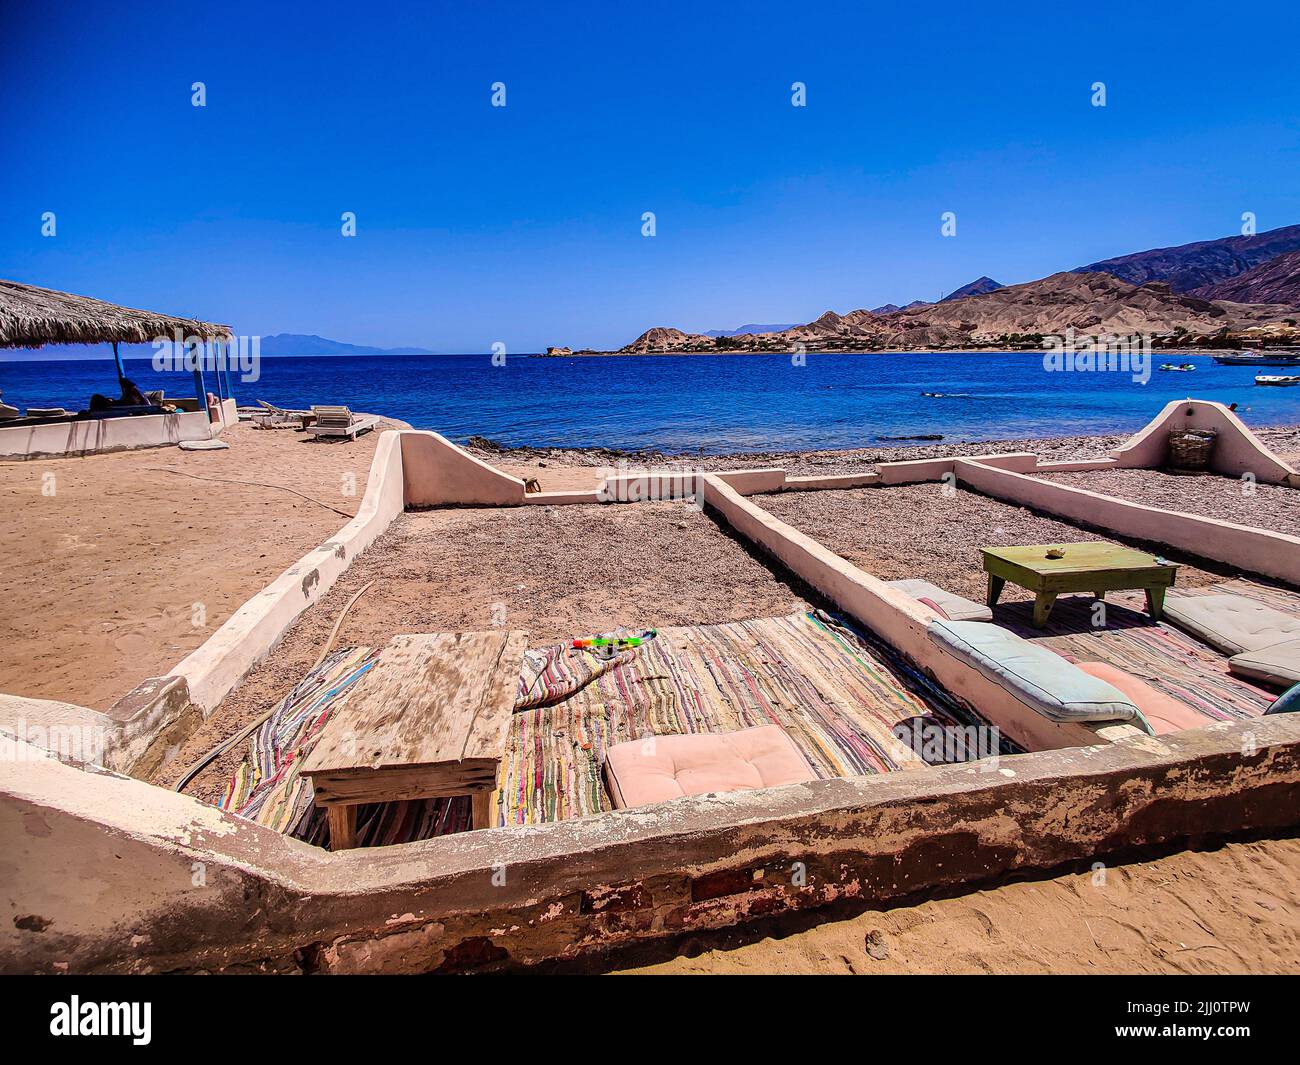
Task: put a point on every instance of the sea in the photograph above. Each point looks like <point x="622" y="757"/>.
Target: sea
<point x="705" y="404"/>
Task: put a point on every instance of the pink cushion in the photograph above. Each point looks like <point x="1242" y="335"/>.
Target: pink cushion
<point x="935" y="607"/>
<point x="660" y="768"/>
<point x="1165" y="713"/>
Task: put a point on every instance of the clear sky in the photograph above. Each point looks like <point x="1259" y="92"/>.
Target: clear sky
<point x="523" y="224"/>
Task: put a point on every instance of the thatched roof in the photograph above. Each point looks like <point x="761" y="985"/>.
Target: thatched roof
<point x="31" y="317"/>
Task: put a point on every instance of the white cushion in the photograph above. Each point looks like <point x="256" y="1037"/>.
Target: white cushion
<point x="957" y="608"/>
<point x="1231" y="623"/>
<point x="1279" y="664"/>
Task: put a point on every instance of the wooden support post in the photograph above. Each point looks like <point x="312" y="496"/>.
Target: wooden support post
<point x="343" y="826"/>
<point x="482" y="808"/>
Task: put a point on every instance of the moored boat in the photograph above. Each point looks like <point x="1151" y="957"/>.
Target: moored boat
<point x="1277" y="379"/>
<point x="1260" y="358"/>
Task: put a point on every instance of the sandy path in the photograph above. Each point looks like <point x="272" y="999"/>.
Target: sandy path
<point x="911" y="531"/>
<point x="113" y="569"/>
<point x="1234" y="909"/>
<point x="553" y="572"/>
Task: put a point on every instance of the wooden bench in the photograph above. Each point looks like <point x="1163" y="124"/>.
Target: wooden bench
<point x="339" y="421"/>
<point x="428" y="720"/>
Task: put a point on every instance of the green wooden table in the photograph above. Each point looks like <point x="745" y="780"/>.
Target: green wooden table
<point x="1088" y="567"/>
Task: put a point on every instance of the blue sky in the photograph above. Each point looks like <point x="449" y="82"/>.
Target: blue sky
<point x="522" y="224"/>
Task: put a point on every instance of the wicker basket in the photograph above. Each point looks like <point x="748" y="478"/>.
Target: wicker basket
<point x="1190" y="449"/>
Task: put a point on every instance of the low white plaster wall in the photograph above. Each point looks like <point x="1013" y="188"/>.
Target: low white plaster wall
<point x="1256" y="550"/>
<point x="897" y="618"/>
<point x="62" y="439"/>
<point x="224" y="659"/>
<point x="831" y="481"/>
<point x="917" y="470"/>
<point x="1237" y="450"/>
<point x="438" y="473"/>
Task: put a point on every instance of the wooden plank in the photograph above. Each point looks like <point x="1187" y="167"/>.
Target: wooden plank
<point x="343" y="827"/>
<point x="482" y="816"/>
<point x="430" y="700"/>
<point x="396" y="785"/>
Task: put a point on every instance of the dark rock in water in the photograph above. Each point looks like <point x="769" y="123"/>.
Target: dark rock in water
<point x="482" y="443"/>
<point x="922" y="436"/>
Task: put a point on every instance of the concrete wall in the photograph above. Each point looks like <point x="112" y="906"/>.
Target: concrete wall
<point x="438" y="473"/>
<point x="63" y="439"/>
<point x="106" y="874"/>
<point x="1255" y="550"/>
<point x="1237" y="450"/>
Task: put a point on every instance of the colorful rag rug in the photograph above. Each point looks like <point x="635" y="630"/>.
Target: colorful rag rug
<point x="837" y="693"/>
<point x="1165" y="657"/>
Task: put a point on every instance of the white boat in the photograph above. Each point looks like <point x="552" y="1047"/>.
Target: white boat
<point x="1276" y="379"/>
<point x="1260" y="358"/>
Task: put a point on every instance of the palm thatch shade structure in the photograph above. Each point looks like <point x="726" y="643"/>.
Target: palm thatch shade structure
<point x="31" y="317"/>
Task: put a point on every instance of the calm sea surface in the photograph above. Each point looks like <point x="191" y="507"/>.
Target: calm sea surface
<point x="711" y="404"/>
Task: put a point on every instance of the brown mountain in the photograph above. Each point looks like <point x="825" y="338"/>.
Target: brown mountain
<point x="977" y="287"/>
<point x="1089" y="303"/>
<point x="1274" y="281"/>
<point x="1192" y="267"/>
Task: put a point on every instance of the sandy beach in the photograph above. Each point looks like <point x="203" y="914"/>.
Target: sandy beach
<point x="117" y="566"/>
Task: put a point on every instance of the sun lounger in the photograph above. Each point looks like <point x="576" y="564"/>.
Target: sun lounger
<point x="339" y="421"/>
<point x="660" y="768"/>
<point x="954" y="607"/>
<point x="1036" y="676"/>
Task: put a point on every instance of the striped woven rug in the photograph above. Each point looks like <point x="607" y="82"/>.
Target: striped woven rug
<point x="1162" y="655"/>
<point x="836" y="695"/>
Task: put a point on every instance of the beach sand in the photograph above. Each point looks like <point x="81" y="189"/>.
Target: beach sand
<point x="1234" y="908"/>
<point x="118" y="566"/>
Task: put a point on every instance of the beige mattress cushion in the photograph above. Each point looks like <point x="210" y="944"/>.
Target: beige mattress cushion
<point x="957" y="608"/>
<point x="1279" y="664"/>
<point x="1231" y="623"/>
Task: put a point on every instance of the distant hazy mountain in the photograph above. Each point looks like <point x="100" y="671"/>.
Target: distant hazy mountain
<point x="1274" y="281"/>
<point x="306" y="344"/>
<point x="977" y="287"/>
<point x="278" y="345"/>
<point x="751" y="328"/>
<point x="1189" y="267"/>
<point x="894" y="308"/>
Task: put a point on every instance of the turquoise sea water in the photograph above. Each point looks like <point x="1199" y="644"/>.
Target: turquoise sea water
<point x="710" y="404"/>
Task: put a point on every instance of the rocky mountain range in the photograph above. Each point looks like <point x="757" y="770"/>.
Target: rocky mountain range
<point x="1191" y="267"/>
<point x="1220" y="292"/>
<point x="1273" y="281"/>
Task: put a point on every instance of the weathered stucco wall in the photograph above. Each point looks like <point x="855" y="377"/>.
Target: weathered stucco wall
<point x="438" y="473"/>
<point x="1237" y="450"/>
<point x="106" y="874"/>
<point x="1255" y="550"/>
<point x="63" y="439"/>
